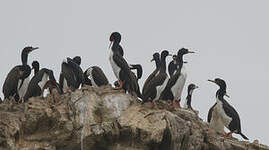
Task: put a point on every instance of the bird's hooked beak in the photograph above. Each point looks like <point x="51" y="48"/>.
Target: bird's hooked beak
<point x="212" y="81"/>
<point x="185" y="62"/>
<point x="110" y="44"/>
<point x="34" y="48"/>
<point x="191" y="52"/>
<point x="152" y="60"/>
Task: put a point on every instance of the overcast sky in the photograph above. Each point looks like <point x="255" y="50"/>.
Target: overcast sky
<point x="230" y="38"/>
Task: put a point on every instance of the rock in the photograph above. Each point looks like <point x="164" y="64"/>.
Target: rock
<point x="106" y="119"/>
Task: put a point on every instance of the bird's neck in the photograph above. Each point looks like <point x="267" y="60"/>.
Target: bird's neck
<point x="189" y="98"/>
<point x="220" y="94"/>
<point x="24" y="58"/>
<point x="158" y="63"/>
<point x="36" y="70"/>
<point x="163" y="64"/>
<point x="180" y="61"/>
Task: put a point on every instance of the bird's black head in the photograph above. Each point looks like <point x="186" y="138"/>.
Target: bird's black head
<point x="29" y="49"/>
<point x="221" y="83"/>
<point x="35" y="66"/>
<point x="222" y="91"/>
<point x="165" y="53"/>
<point x="174" y="57"/>
<point x="192" y="87"/>
<point x="115" y="37"/>
<point x="156" y="56"/>
<point x="24" y="55"/>
<point x="77" y="60"/>
<point x="183" y="51"/>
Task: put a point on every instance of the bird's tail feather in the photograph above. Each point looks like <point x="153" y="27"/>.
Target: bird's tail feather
<point x="243" y="136"/>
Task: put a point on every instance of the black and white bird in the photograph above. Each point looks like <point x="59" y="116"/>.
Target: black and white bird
<point x="38" y="82"/>
<point x="120" y="66"/>
<point x="223" y="114"/>
<point x="191" y="88"/>
<point x="96" y="75"/>
<point x="174" y="88"/>
<point x="156" y="58"/>
<point x="158" y="83"/>
<point x="71" y="76"/>
<point x="35" y="67"/>
<point x="173" y="66"/>
<point x="18" y="87"/>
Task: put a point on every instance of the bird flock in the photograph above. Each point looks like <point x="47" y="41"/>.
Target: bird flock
<point x="19" y="85"/>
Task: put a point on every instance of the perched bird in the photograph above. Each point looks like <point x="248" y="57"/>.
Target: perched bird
<point x="191" y="87"/>
<point x="12" y="81"/>
<point x="18" y="87"/>
<point x="175" y="85"/>
<point x="156" y="58"/>
<point x="97" y="76"/>
<point x="71" y="76"/>
<point x="173" y="65"/>
<point x="37" y="83"/>
<point x="120" y="66"/>
<point x="35" y="66"/>
<point x="223" y="113"/>
<point x="158" y="83"/>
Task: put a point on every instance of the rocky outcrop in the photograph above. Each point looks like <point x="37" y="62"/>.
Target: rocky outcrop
<point x="106" y="119"/>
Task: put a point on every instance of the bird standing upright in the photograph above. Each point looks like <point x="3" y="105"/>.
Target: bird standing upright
<point x="120" y="66"/>
<point x="225" y="114"/>
<point x="156" y="58"/>
<point x="173" y="65"/>
<point x="157" y="84"/>
<point x="191" y="88"/>
<point x="174" y="88"/>
<point x="17" y="87"/>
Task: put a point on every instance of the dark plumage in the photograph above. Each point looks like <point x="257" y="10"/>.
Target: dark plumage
<point x="226" y="113"/>
<point x="18" y="86"/>
<point x="35" y="66"/>
<point x="97" y="76"/>
<point x="157" y="84"/>
<point x="10" y="87"/>
<point x="120" y="66"/>
<point x="191" y="88"/>
<point x="173" y="65"/>
<point x="156" y="58"/>
<point x="139" y="70"/>
<point x="175" y="85"/>
<point x="71" y="76"/>
<point x="37" y="83"/>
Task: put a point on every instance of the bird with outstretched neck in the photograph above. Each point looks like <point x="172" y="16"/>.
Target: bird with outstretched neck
<point x="16" y="82"/>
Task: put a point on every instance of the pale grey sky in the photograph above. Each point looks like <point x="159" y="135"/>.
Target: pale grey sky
<point x="230" y="38"/>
